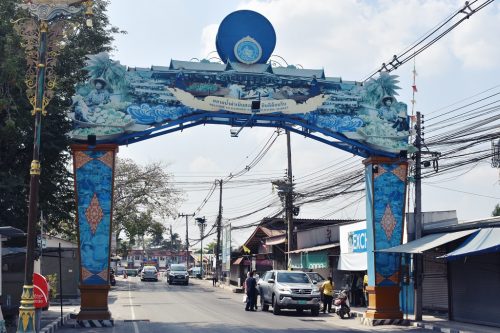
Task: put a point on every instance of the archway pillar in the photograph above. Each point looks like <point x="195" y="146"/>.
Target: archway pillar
<point x="93" y="168"/>
<point x="386" y="180"/>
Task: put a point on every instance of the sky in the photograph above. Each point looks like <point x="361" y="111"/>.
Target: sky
<point x="346" y="38"/>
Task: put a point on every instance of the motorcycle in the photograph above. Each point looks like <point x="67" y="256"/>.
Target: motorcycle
<point x="341" y="306"/>
<point x="112" y="279"/>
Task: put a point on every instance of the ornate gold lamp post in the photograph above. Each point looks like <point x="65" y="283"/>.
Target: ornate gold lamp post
<point x="42" y="35"/>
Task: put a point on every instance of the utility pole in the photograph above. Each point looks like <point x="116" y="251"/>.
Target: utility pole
<point x="187" y="238"/>
<point x="201" y="223"/>
<point x="219" y="227"/>
<point x="289" y="199"/>
<point x="417" y="259"/>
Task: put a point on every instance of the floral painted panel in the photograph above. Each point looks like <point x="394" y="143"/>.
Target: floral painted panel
<point x="94" y="180"/>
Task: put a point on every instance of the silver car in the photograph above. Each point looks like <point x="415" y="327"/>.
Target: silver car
<point x="149" y="273"/>
<point x="178" y="274"/>
<point x="288" y="290"/>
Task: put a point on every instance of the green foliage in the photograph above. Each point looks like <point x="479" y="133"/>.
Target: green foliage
<point x="496" y="210"/>
<point x="53" y="283"/>
<point x="142" y="195"/>
<point x="56" y="197"/>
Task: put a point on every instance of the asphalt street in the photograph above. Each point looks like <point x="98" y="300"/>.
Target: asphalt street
<point x="157" y="307"/>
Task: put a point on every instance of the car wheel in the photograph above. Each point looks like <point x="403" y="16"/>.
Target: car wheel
<point x="263" y="305"/>
<point x="276" y="307"/>
<point x="315" y="311"/>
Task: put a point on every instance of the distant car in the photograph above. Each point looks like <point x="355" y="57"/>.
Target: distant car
<point x="315" y="277"/>
<point x="178" y="274"/>
<point x="149" y="273"/>
<point x="131" y="272"/>
<point x="288" y="290"/>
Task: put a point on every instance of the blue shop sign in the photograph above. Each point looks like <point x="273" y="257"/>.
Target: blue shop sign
<point x="357" y="241"/>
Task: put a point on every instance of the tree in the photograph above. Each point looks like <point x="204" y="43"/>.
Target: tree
<point x="210" y="247"/>
<point x="142" y="192"/>
<point x="496" y="210"/>
<point x="56" y="198"/>
<point x="156" y="231"/>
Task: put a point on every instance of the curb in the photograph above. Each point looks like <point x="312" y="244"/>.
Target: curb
<point x="53" y="326"/>
<point x="435" y="328"/>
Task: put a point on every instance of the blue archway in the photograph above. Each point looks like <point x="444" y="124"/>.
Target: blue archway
<point x="121" y="106"/>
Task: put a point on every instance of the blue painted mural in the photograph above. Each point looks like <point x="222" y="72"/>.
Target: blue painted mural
<point x="94" y="181"/>
<point x="386" y="212"/>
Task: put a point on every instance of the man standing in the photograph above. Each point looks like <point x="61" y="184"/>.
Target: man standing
<point x="251" y="291"/>
<point x="327" y="291"/>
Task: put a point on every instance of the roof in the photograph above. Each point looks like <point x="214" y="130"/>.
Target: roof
<point x="428" y="242"/>
<point x="484" y="241"/>
<point x="316" y="248"/>
<point x="243" y="68"/>
<point x="197" y="66"/>
<point x="290" y="71"/>
<point x="11" y="232"/>
<point x="488" y="222"/>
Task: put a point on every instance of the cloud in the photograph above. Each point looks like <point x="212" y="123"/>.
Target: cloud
<point x="202" y="164"/>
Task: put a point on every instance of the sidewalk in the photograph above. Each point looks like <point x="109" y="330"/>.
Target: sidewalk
<point x="430" y="322"/>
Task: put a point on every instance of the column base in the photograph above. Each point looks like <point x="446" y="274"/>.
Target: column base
<point x="94" y="305"/>
<point x="383" y="303"/>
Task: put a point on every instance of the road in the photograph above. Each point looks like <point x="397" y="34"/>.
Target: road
<point x="157" y="307"/>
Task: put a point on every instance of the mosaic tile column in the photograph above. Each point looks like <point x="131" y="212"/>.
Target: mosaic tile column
<point x="385" y="207"/>
<point x="94" y="173"/>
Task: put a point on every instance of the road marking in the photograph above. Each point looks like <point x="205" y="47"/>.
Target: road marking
<point x="136" y="327"/>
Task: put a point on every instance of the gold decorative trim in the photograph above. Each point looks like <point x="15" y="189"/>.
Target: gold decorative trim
<point x="35" y="168"/>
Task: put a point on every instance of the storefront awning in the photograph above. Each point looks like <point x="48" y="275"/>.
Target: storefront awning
<point x="353" y="262"/>
<point x="276" y="240"/>
<point x="238" y="261"/>
<point x="487" y="240"/>
<point x="316" y="248"/>
<point x="428" y="242"/>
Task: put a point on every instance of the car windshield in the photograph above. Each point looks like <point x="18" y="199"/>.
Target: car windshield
<point x="316" y="277"/>
<point x="177" y="268"/>
<point x="149" y="269"/>
<point x="293" y="278"/>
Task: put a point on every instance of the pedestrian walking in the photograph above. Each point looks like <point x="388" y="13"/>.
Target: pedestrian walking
<point x="251" y="292"/>
<point x="327" y="292"/>
<point x="214" y="279"/>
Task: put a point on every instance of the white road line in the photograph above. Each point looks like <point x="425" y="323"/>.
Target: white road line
<point x="136" y="328"/>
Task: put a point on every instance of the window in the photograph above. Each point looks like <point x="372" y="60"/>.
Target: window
<point x="137" y="257"/>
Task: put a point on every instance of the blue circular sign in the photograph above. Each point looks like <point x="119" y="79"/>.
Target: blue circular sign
<point x="245" y="36"/>
<point x="248" y="50"/>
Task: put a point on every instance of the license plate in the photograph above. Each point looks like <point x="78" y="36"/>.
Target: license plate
<point x="302" y="302"/>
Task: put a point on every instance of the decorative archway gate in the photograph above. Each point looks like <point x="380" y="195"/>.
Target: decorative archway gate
<point x="121" y="106"/>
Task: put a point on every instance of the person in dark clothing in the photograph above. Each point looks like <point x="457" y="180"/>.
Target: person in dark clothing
<point x="251" y="291"/>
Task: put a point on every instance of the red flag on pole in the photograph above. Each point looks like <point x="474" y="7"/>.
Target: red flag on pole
<point x="414" y="88"/>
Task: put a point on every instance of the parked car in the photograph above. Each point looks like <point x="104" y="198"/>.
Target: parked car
<point x="149" y="273"/>
<point x="178" y="274"/>
<point x="316" y="277"/>
<point x="288" y="290"/>
<point x="131" y="272"/>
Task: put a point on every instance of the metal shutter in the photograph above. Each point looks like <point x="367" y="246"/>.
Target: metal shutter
<point x="475" y="288"/>
<point x="435" y="281"/>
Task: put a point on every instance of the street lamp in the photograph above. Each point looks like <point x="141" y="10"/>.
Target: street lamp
<point x="42" y="49"/>
<point x="201" y="224"/>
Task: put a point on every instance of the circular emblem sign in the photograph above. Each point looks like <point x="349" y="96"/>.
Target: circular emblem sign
<point x="245" y="36"/>
<point x="247" y="50"/>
